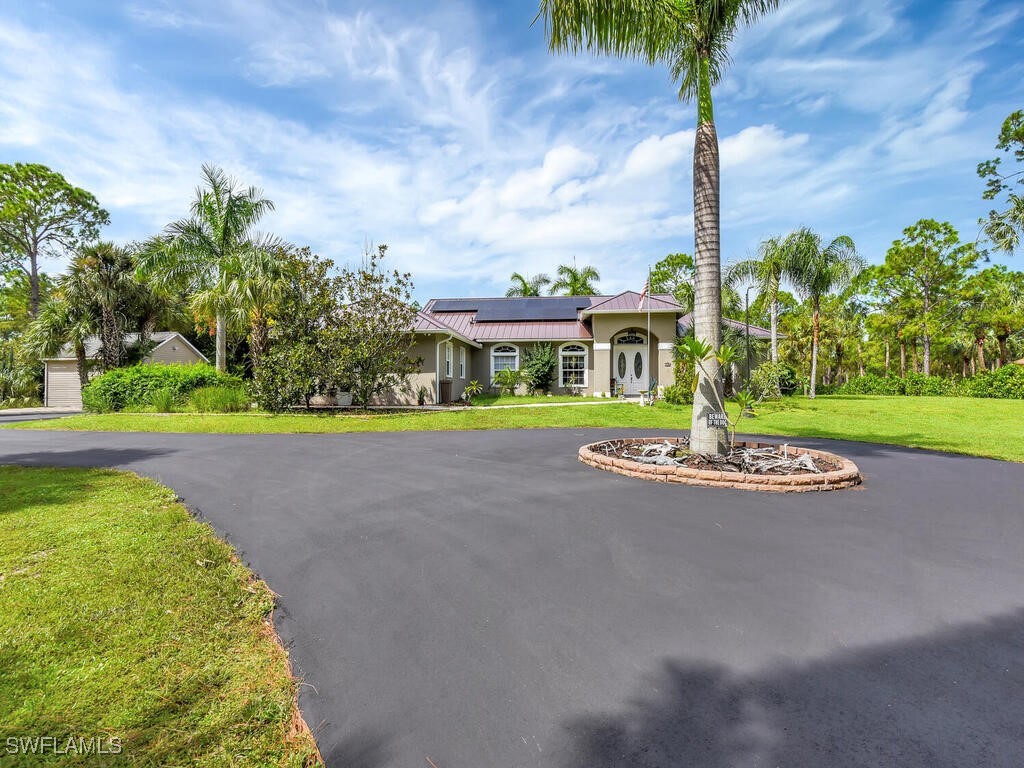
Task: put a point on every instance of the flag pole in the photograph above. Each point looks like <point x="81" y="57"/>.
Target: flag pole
<point x="650" y="395"/>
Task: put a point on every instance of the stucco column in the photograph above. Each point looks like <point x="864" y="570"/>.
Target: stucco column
<point x="602" y="371"/>
<point x="666" y="369"/>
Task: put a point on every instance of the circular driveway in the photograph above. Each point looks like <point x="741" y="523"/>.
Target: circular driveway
<point x="476" y="599"/>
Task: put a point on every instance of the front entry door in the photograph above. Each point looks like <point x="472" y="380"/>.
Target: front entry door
<point x="629" y="361"/>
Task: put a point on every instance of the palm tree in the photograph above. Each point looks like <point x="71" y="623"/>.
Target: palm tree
<point x="765" y="273"/>
<point x="527" y="286"/>
<point x="61" y="323"/>
<point x="575" y="281"/>
<point x="257" y="293"/>
<point x="103" y="275"/>
<point x="208" y="252"/>
<point x="817" y="271"/>
<point x="692" y="37"/>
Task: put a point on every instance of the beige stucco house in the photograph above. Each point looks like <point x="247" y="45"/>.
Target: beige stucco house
<point x="61" y="385"/>
<point x="603" y="343"/>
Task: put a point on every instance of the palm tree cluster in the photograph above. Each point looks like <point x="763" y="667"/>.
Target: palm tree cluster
<point x="926" y="309"/>
<point x="207" y="271"/>
<point x="570" y="281"/>
<point x="815" y="269"/>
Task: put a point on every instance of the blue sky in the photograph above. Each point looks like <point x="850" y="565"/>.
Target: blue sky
<point x="449" y="132"/>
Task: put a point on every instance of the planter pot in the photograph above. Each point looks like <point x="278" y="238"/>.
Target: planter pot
<point x="344" y="398"/>
<point x="318" y="401"/>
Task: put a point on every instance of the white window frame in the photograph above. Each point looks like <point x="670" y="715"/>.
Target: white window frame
<point x="494" y="352"/>
<point x="564" y="352"/>
<point x="448" y="359"/>
<point x="462" y="362"/>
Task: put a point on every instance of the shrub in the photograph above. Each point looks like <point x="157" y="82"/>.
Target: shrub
<point x="678" y="394"/>
<point x="162" y="400"/>
<point x="538" y="368"/>
<point x="1007" y="381"/>
<point x="219" y="399"/>
<point x="508" y="380"/>
<point x="133" y="386"/>
<point x="771" y="380"/>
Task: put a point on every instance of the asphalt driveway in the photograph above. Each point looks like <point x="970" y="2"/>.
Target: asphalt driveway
<point x="477" y="599"/>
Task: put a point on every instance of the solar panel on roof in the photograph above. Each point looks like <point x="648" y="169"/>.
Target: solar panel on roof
<point x="547" y="308"/>
<point x="455" y="305"/>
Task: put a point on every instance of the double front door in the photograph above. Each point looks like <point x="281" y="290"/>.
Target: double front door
<point x="629" y="364"/>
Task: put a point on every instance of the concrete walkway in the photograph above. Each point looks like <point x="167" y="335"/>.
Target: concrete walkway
<point x="30" y="414"/>
<point x="479" y="599"/>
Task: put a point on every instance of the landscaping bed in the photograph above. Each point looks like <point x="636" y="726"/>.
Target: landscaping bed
<point x="749" y="465"/>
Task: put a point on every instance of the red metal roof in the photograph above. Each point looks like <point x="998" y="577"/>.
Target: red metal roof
<point x="532" y="330"/>
<point x="630" y="301"/>
<point x="685" y="323"/>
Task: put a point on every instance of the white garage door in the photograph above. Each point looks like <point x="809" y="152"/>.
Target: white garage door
<point x="62" y="387"/>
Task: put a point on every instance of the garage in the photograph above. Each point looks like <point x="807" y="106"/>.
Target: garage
<point x="61" y="387"/>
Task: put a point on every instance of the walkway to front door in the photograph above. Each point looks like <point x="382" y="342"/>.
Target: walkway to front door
<point x="629" y="358"/>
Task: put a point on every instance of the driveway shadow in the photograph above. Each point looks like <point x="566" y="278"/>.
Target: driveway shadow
<point x="946" y="700"/>
<point x="91" y="457"/>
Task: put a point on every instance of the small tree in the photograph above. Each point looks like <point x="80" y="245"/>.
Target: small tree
<point x="674" y="274"/>
<point x="41" y="214"/>
<point x="539" y="364"/>
<point x="709" y="362"/>
<point x="375" y="327"/>
<point x="303" y="355"/>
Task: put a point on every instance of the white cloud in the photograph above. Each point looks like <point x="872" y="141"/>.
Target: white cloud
<point x="656" y="153"/>
<point x="471" y="163"/>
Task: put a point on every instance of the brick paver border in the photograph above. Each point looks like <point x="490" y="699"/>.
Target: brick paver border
<point x="846" y="476"/>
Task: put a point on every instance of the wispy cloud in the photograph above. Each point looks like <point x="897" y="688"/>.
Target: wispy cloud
<point x="473" y="163"/>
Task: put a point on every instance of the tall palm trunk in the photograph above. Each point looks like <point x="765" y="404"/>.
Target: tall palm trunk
<point x="707" y="304"/>
<point x="81" y="363"/>
<point x="886" y="358"/>
<point x="1004" y="354"/>
<point x="980" y="342"/>
<point x="775" y="329"/>
<point x="111" y="340"/>
<point x="259" y="338"/>
<point x="814" y="349"/>
<point x="222" y="341"/>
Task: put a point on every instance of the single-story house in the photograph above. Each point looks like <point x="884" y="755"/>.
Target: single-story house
<point x="602" y="342"/>
<point x="61" y="385"/>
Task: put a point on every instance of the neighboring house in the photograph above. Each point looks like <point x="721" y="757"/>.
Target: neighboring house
<point x="61" y="387"/>
<point x="602" y="342"/>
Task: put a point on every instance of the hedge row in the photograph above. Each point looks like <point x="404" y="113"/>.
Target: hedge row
<point x="1005" y="382"/>
<point x="134" y="386"/>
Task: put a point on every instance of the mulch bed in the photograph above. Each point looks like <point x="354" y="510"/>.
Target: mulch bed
<point x="767" y="460"/>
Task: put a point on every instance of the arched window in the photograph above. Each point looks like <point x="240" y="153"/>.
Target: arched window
<point x="631" y="338"/>
<point x="572" y="365"/>
<point x="504" y="356"/>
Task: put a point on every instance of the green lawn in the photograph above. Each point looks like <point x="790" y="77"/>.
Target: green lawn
<point x="490" y="399"/>
<point x="125" y="618"/>
<point x="980" y="427"/>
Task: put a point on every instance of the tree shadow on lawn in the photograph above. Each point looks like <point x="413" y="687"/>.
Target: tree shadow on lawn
<point x="46" y="490"/>
<point x="952" y="699"/>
